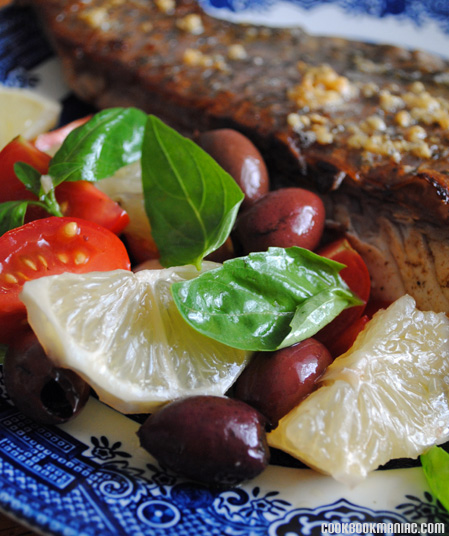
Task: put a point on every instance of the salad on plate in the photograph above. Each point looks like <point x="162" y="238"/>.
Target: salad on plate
<point x="136" y="267"/>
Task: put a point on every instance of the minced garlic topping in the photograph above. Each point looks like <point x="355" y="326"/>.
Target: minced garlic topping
<point x="321" y="87"/>
<point x="398" y="126"/>
<point x="96" y="17"/>
<point x="237" y="52"/>
<point x="100" y="17"/>
<point x="165" y="6"/>
<point x="191" y="23"/>
<point x="195" y="58"/>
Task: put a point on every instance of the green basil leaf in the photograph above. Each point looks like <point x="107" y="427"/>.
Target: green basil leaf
<point x="12" y="215"/>
<point x="314" y="313"/>
<point x="32" y="179"/>
<point x="97" y="149"/>
<point x="28" y="176"/>
<point x="190" y="200"/>
<point x="265" y="301"/>
<point x="435" y="464"/>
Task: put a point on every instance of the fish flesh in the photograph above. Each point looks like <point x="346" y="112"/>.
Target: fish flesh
<point x="365" y="125"/>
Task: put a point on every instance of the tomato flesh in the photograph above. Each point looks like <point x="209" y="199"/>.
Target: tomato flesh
<point x="79" y="199"/>
<point x="342" y="343"/>
<point x="47" y="247"/>
<point x="19" y="150"/>
<point x="48" y="141"/>
<point x="141" y="249"/>
<point x="357" y="277"/>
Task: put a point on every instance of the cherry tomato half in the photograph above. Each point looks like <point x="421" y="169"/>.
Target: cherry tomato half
<point x="347" y="337"/>
<point x="82" y="199"/>
<point x="46" y="247"/>
<point x="357" y="277"/>
<point x="48" y="141"/>
<point x="19" y="150"/>
<point x="78" y="199"/>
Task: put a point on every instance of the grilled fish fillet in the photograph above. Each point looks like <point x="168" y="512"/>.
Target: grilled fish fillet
<point x="365" y="125"/>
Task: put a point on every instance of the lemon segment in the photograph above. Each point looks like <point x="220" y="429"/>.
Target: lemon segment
<point x="26" y="113"/>
<point x="386" y="398"/>
<point x="121" y="332"/>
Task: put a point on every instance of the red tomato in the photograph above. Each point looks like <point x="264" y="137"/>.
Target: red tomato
<point x="347" y="337"/>
<point x="82" y="199"/>
<point x="54" y="138"/>
<point x="78" y="199"/>
<point x="47" y="247"/>
<point x="141" y="249"/>
<point x="375" y="305"/>
<point x="357" y="277"/>
<point x="19" y="150"/>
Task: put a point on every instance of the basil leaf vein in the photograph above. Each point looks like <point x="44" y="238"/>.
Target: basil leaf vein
<point x="190" y="200"/>
<point x="28" y="176"/>
<point x="98" y="148"/>
<point x="266" y="300"/>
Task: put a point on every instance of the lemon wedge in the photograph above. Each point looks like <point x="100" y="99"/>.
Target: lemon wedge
<point x="386" y="398"/>
<point x="26" y="113"/>
<point x="122" y="333"/>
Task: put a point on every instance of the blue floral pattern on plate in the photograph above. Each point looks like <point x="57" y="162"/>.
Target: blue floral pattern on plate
<point x="64" y="486"/>
<point x="22" y="47"/>
<point x="67" y="482"/>
<point x="419" y="12"/>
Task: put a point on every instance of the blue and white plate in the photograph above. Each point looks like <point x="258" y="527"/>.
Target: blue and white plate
<point x="90" y="477"/>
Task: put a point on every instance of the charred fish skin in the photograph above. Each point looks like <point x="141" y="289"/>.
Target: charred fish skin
<point x="354" y="121"/>
<point x="305" y="94"/>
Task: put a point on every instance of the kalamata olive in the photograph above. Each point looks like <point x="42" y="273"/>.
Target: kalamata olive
<point x="275" y="382"/>
<point x="237" y="155"/>
<point x="211" y="439"/>
<point x="47" y="394"/>
<point x="282" y="218"/>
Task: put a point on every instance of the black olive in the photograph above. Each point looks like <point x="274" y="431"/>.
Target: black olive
<point x="211" y="439"/>
<point x="39" y="389"/>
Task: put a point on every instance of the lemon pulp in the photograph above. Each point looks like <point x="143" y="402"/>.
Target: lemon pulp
<point x="122" y="333"/>
<point x="25" y="113"/>
<point x="386" y="398"/>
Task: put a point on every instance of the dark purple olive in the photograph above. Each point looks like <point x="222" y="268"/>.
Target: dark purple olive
<point x="237" y="155"/>
<point x="282" y="218"/>
<point x="276" y="382"/>
<point x="211" y="439"/>
<point x="47" y="394"/>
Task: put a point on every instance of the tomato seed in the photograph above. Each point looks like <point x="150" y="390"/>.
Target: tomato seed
<point x="43" y="261"/>
<point x="10" y="278"/>
<point x="80" y="258"/>
<point x="70" y="229"/>
<point x="29" y="263"/>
